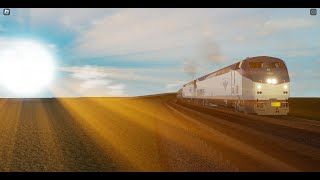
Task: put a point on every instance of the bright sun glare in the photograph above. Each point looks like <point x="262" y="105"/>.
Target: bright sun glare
<point x="26" y="67"/>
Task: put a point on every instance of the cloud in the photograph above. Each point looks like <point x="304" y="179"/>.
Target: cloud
<point x="174" y="86"/>
<point x="120" y="81"/>
<point x="275" y="25"/>
<point x="70" y="87"/>
<point x="301" y="53"/>
<point x="11" y="41"/>
<point x="87" y="72"/>
<point x="75" y="19"/>
<point x="240" y="38"/>
<point x="101" y="87"/>
<point x="91" y="81"/>
<point x="132" y="31"/>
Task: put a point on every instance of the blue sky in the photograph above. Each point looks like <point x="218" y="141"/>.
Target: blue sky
<point x="131" y="52"/>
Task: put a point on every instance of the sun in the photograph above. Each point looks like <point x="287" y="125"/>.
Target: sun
<point x="26" y="67"/>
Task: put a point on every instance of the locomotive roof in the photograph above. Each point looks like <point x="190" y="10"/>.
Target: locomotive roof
<point x="262" y="59"/>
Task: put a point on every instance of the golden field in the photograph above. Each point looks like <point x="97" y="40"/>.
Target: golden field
<point x="137" y="134"/>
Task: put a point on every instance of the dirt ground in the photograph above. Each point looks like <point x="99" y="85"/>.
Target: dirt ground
<point x="149" y="133"/>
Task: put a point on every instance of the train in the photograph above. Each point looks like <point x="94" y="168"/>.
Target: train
<point x="255" y="85"/>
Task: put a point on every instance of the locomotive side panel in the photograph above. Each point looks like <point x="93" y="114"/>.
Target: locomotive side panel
<point x="188" y="91"/>
<point x="225" y="86"/>
<point x="215" y="87"/>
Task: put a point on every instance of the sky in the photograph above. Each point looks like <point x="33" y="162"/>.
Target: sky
<point x="133" y="52"/>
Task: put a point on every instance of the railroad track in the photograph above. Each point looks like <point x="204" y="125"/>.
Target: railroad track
<point x="292" y="119"/>
<point x="302" y="135"/>
<point x="264" y="136"/>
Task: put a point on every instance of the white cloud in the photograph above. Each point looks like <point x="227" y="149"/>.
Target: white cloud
<point x="100" y="87"/>
<point x="92" y="83"/>
<point x="88" y="72"/>
<point x="110" y="80"/>
<point x="285" y="24"/>
<point x="9" y="41"/>
<point x="151" y="34"/>
<point x="132" y="31"/>
<point x="107" y="32"/>
<point x="75" y="19"/>
<point x="240" y="38"/>
<point x="300" y="53"/>
<point x="72" y="87"/>
<point x="174" y="86"/>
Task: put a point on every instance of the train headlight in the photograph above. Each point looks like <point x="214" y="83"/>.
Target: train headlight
<point x="269" y="81"/>
<point x="272" y="81"/>
<point x="285" y="86"/>
<point x="259" y="86"/>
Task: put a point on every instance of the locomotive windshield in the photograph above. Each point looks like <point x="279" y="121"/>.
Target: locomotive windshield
<point x="259" y="69"/>
<point x="265" y="65"/>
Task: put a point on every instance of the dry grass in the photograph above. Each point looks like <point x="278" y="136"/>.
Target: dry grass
<point x="99" y="134"/>
<point x="308" y="108"/>
<point x="116" y="134"/>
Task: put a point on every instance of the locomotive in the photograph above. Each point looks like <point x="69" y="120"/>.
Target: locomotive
<point x="258" y="85"/>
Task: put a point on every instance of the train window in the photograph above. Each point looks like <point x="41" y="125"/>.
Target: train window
<point x="272" y="65"/>
<point x="276" y="65"/>
<point x="265" y="65"/>
<point x="256" y="64"/>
